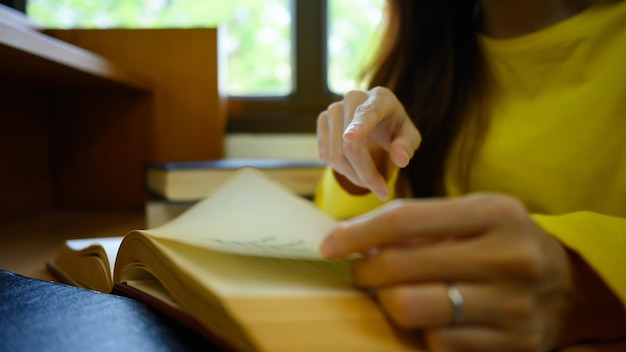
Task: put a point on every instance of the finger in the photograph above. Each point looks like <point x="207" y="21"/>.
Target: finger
<point x="427" y="305"/>
<point x="470" y="338"/>
<point x="404" y="144"/>
<point x="358" y="153"/>
<point x="336" y="158"/>
<point x="436" y="218"/>
<point x="384" y="116"/>
<point x="416" y="306"/>
<point x="503" y="255"/>
<point x="399" y="135"/>
<point x="322" y="136"/>
<point x="360" y="158"/>
<point x="456" y="261"/>
<point x="381" y="103"/>
<point x="352" y="99"/>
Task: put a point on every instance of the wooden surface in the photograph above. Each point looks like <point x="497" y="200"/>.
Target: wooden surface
<point x="81" y="115"/>
<point x="35" y="70"/>
<point x="24" y="154"/>
<point x="28" y="57"/>
<point x="26" y="244"/>
<point x="103" y="141"/>
<point x="189" y="117"/>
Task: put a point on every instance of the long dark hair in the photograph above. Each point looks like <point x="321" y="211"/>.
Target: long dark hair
<point x="430" y="58"/>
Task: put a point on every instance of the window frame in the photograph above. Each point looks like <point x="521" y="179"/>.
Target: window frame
<point x="297" y="111"/>
<point x="19" y="5"/>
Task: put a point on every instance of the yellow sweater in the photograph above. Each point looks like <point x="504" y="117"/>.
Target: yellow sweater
<point x="557" y="139"/>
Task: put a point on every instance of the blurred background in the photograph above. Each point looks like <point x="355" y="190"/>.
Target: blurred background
<point x="82" y="111"/>
<point x="260" y="40"/>
<point x="286" y="60"/>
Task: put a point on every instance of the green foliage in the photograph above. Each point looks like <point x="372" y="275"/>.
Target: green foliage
<point x="353" y="34"/>
<point x="257" y="40"/>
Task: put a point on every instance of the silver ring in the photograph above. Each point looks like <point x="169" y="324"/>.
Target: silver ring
<point x="457" y="303"/>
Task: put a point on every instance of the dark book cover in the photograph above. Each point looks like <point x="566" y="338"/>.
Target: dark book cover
<point x="38" y="315"/>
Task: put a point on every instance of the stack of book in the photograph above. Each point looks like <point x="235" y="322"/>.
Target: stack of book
<point x="174" y="186"/>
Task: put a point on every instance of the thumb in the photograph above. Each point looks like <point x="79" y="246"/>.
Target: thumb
<point x="404" y="143"/>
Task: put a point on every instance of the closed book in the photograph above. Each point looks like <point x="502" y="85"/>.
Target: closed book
<point x="43" y="316"/>
<point x="187" y="181"/>
<point x="243" y="265"/>
<point x="159" y="211"/>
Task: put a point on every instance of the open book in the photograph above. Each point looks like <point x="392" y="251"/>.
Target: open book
<point x="243" y="267"/>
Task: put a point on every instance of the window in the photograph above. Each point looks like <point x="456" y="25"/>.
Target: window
<point x="352" y="28"/>
<point x="257" y="40"/>
<point x="287" y="59"/>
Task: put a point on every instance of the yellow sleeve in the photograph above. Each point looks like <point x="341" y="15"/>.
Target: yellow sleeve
<point x="334" y="200"/>
<point x="599" y="239"/>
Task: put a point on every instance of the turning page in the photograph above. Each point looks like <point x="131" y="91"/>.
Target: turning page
<point x="252" y="215"/>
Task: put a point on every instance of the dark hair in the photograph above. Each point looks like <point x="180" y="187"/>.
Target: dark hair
<point x="430" y="58"/>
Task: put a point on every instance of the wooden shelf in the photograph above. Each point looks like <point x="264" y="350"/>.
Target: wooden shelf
<point x="26" y="244"/>
<point x="82" y="111"/>
<point x="33" y="59"/>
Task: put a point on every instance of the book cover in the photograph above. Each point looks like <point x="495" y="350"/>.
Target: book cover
<point x="38" y="315"/>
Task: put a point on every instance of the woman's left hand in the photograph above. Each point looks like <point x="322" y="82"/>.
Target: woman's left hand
<point x="514" y="278"/>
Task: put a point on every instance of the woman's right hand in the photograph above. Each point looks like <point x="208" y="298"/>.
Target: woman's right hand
<point x="358" y="135"/>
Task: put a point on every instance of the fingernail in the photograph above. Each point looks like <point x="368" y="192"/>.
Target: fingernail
<point x="329" y="247"/>
<point x="404" y="160"/>
<point x="350" y="131"/>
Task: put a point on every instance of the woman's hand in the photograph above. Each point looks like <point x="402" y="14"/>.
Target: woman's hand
<point x="357" y="136"/>
<point x="514" y="279"/>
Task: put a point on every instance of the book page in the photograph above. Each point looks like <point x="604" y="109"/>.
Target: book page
<point x="252" y="215"/>
<point x="110" y="245"/>
<point x="242" y="275"/>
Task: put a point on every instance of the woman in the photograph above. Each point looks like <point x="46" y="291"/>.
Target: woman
<point x="505" y="121"/>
